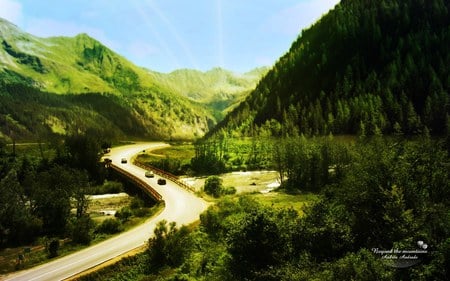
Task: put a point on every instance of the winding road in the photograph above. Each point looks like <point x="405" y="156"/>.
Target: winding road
<point x="180" y="206"/>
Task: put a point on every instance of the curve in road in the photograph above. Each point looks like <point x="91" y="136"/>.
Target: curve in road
<point x="180" y="206"/>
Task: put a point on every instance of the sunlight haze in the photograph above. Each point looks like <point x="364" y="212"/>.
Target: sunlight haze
<point x="168" y="35"/>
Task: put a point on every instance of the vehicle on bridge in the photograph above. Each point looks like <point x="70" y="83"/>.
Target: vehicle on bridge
<point x="161" y="181"/>
<point x="124" y="161"/>
<point x="149" y="174"/>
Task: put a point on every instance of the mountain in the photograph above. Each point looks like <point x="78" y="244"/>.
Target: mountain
<point x="219" y="88"/>
<point x="366" y="66"/>
<point x="156" y="104"/>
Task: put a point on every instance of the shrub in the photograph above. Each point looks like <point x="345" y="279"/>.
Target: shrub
<point x="124" y="214"/>
<point x="213" y="186"/>
<point x="81" y="230"/>
<point x="52" y="248"/>
<point x="108" y="187"/>
<point x="110" y="226"/>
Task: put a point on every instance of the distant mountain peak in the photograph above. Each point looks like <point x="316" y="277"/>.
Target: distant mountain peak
<point x="86" y="37"/>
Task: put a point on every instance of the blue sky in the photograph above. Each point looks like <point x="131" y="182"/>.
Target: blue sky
<point x="164" y="35"/>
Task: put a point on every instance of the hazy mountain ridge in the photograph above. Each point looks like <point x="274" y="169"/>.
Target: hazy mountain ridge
<point x="82" y="65"/>
<point x="219" y="88"/>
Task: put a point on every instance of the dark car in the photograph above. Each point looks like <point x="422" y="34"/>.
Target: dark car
<point x="161" y="181"/>
<point x="124" y="160"/>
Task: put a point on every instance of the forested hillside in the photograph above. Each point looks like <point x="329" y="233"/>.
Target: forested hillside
<point x="365" y="67"/>
<point x="122" y="98"/>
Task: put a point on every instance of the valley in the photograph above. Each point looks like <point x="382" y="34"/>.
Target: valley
<point x="309" y="169"/>
<point x="80" y="74"/>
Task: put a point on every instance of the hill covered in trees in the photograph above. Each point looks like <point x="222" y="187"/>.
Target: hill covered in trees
<point x="366" y="66"/>
<point x="156" y="105"/>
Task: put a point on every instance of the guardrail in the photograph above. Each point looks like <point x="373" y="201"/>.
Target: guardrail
<point x="139" y="182"/>
<point x="165" y="174"/>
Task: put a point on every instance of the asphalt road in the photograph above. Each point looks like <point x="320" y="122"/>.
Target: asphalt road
<point x="181" y="206"/>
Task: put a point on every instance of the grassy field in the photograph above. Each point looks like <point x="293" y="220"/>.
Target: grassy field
<point x="281" y="200"/>
<point x="182" y="152"/>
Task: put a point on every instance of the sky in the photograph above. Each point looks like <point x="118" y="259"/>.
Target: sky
<point x="164" y="35"/>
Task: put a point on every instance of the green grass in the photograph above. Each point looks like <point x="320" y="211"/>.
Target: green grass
<point x="281" y="200"/>
<point x="182" y="152"/>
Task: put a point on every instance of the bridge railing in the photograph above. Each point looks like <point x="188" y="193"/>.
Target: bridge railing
<point x="165" y="174"/>
<point x="139" y="182"/>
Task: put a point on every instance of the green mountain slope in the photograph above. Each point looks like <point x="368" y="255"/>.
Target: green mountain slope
<point x="366" y="66"/>
<point x="33" y="115"/>
<point x="160" y="104"/>
<point x="221" y="89"/>
<point x="68" y="65"/>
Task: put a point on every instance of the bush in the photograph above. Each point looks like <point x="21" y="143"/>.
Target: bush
<point x="52" y="248"/>
<point x="141" y="212"/>
<point x="124" y="214"/>
<point x="213" y="186"/>
<point x="169" y="246"/>
<point x="136" y="203"/>
<point x="229" y="190"/>
<point x="108" y="187"/>
<point x="81" y="230"/>
<point x="110" y="226"/>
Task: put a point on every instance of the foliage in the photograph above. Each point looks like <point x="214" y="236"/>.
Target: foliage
<point x="364" y="67"/>
<point x="309" y="165"/>
<point x="107" y="187"/>
<point x="109" y="226"/>
<point x="391" y="193"/>
<point x="17" y="223"/>
<point x="208" y="158"/>
<point x="124" y="214"/>
<point x="51" y="197"/>
<point x="174" y="159"/>
<point x="224" y="153"/>
<point x="80" y="230"/>
<point x="52" y="248"/>
<point x="214" y="187"/>
<point x="169" y="246"/>
<point x="141" y="103"/>
<point x="37" y="195"/>
<point x="128" y="268"/>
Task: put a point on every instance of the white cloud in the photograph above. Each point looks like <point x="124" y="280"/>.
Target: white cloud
<point x="292" y="20"/>
<point x="11" y="10"/>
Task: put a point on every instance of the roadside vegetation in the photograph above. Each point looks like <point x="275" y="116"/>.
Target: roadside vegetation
<point x="45" y="207"/>
<point x="219" y="155"/>
<point x="376" y="192"/>
<point x="174" y="159"/>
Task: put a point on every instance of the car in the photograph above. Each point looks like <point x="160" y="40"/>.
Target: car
<point x="124" y="161"/>
<point x="149" y="174"/>
<point x="161" y="181"/>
